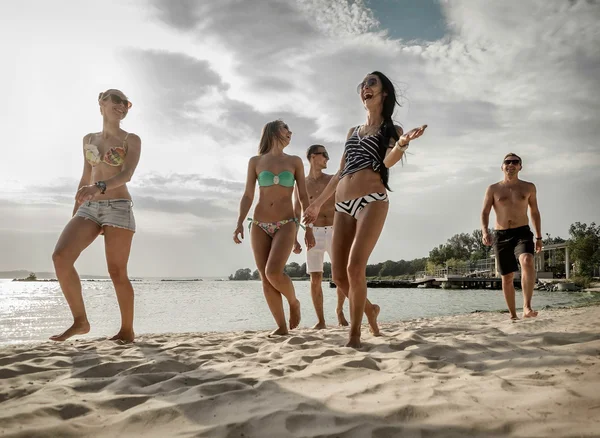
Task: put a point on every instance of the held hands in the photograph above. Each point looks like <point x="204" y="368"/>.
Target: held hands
<point x="413" y="134"/>
<point x="87" y="193"/>
<point x="238" y="231"/>
<point x="487" y="239"/>
<point x="311" y="214"/>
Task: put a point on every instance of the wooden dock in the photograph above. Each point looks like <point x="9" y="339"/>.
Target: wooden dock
<point x="445" y="282"/>
<point x="462" y="282"/>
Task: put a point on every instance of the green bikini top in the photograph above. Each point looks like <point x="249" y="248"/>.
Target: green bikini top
<point x="285" y="179"/>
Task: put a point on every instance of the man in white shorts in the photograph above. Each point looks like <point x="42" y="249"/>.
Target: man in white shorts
<point x="316" y="181"/>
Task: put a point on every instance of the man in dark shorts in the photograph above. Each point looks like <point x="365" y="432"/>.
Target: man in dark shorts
<point x="513" y="240"/>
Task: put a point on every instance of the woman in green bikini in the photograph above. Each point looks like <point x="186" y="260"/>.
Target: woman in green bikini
<point x="273" y="227"/>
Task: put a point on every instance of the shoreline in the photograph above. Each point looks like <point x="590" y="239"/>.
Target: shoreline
<point x="329" y="327"/>
<point x="474" y="374"/>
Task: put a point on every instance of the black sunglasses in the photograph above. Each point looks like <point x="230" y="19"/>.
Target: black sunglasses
<point x="325" y="154"/>
<point x="371" y="82"/>
<point x="118" y="100"/>
<point x="515" y="162"/>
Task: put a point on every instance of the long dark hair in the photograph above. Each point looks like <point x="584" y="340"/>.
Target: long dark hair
<point x="270" y="133"/>
<point x="387" y="130"/>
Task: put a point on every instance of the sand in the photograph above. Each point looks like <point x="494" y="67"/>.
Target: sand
<point x="460" y="376"/>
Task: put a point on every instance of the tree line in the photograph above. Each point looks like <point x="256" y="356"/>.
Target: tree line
<point x="464" y="249"/>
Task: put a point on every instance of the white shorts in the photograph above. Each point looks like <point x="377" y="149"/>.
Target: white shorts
<point x="315" y="255"/>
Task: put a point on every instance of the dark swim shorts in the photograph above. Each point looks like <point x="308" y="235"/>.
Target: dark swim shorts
<point x="509" y="245"/>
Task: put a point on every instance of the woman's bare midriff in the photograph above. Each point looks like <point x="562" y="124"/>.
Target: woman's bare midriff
<point x="359" y="184"/>
<point x="102" y="172"/>
<point x="274" y="204"/>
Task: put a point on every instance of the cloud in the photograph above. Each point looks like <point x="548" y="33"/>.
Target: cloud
<point x="175" y="81"/>
<point x="206" y="77"/>
<point x="200" y="208"/>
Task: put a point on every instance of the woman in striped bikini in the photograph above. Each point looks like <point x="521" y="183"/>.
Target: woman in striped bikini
<point x="273" y="228"/>
<point x="361" y="199"/>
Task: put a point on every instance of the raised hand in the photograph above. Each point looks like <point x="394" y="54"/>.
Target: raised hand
<point x="413" y="134"/>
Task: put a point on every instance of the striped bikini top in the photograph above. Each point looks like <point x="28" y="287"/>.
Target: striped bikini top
<point x="361" y="153"/>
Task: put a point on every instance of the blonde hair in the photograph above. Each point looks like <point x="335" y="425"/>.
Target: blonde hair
<point x="104" y="94"/>
<point x="270" y="133"/>
<point x="512" y="154"/>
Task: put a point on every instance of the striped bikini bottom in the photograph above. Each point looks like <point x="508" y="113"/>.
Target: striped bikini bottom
<point x="354" y="206"/>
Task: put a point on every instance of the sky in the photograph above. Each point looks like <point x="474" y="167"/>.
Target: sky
<point x="487" y="77"/>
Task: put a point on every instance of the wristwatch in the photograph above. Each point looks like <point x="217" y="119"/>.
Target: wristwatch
<point x="101" y="185"/>
<point x="310" y="225"/>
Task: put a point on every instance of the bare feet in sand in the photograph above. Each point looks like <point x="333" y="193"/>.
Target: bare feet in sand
<point x="354" y="342"/>
<point x="372" y="318"/>
<point x="78" y="328"/>
<point x="124" y="336"/>
<point x="281" y="331"/>
<point x="319" y="326"/>
<point x="528" y="312"/>
<point x="341" y="318"/>
<point x="294" y="314"/>
<point x="514" y="318"/>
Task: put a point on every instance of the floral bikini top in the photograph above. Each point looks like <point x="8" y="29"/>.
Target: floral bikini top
<point x="113" y="157"/>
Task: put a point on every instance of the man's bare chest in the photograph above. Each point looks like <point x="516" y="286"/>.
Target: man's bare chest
<point x="315" y="188"/>
<point x="511" y="196"/>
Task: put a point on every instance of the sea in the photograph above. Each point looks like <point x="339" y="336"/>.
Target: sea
<point x="33" y="311"/>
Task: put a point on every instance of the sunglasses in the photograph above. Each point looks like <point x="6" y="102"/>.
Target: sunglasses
<point x="118" y="100"/>
<point x="325" y="154"/>
<point x="371" y="82"/>
<point x="515" y="162"/>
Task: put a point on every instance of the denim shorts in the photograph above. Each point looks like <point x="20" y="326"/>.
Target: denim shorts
<point x="112" y="213"/>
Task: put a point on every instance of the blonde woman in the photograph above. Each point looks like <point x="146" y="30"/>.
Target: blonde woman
<point x="102" y="206"/>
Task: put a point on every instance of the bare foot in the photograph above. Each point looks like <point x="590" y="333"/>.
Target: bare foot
<point x="294" y="314"/>
<point x="124" y="336"/>
<point x="514" y="318"/>
<point x="354" y="342"/>
<point x="372" y="318"/>
<point x="341" y="318"/>
<point x="528" y="312"/>
<point x="319" y="326"/>
<point x="79" y="328"/>
<point x="281" y="331"/>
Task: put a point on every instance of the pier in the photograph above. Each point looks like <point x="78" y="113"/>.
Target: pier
<point x="473" y="275"/>
<point x="481" y="274"/>
<point x="444" y="282"/>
